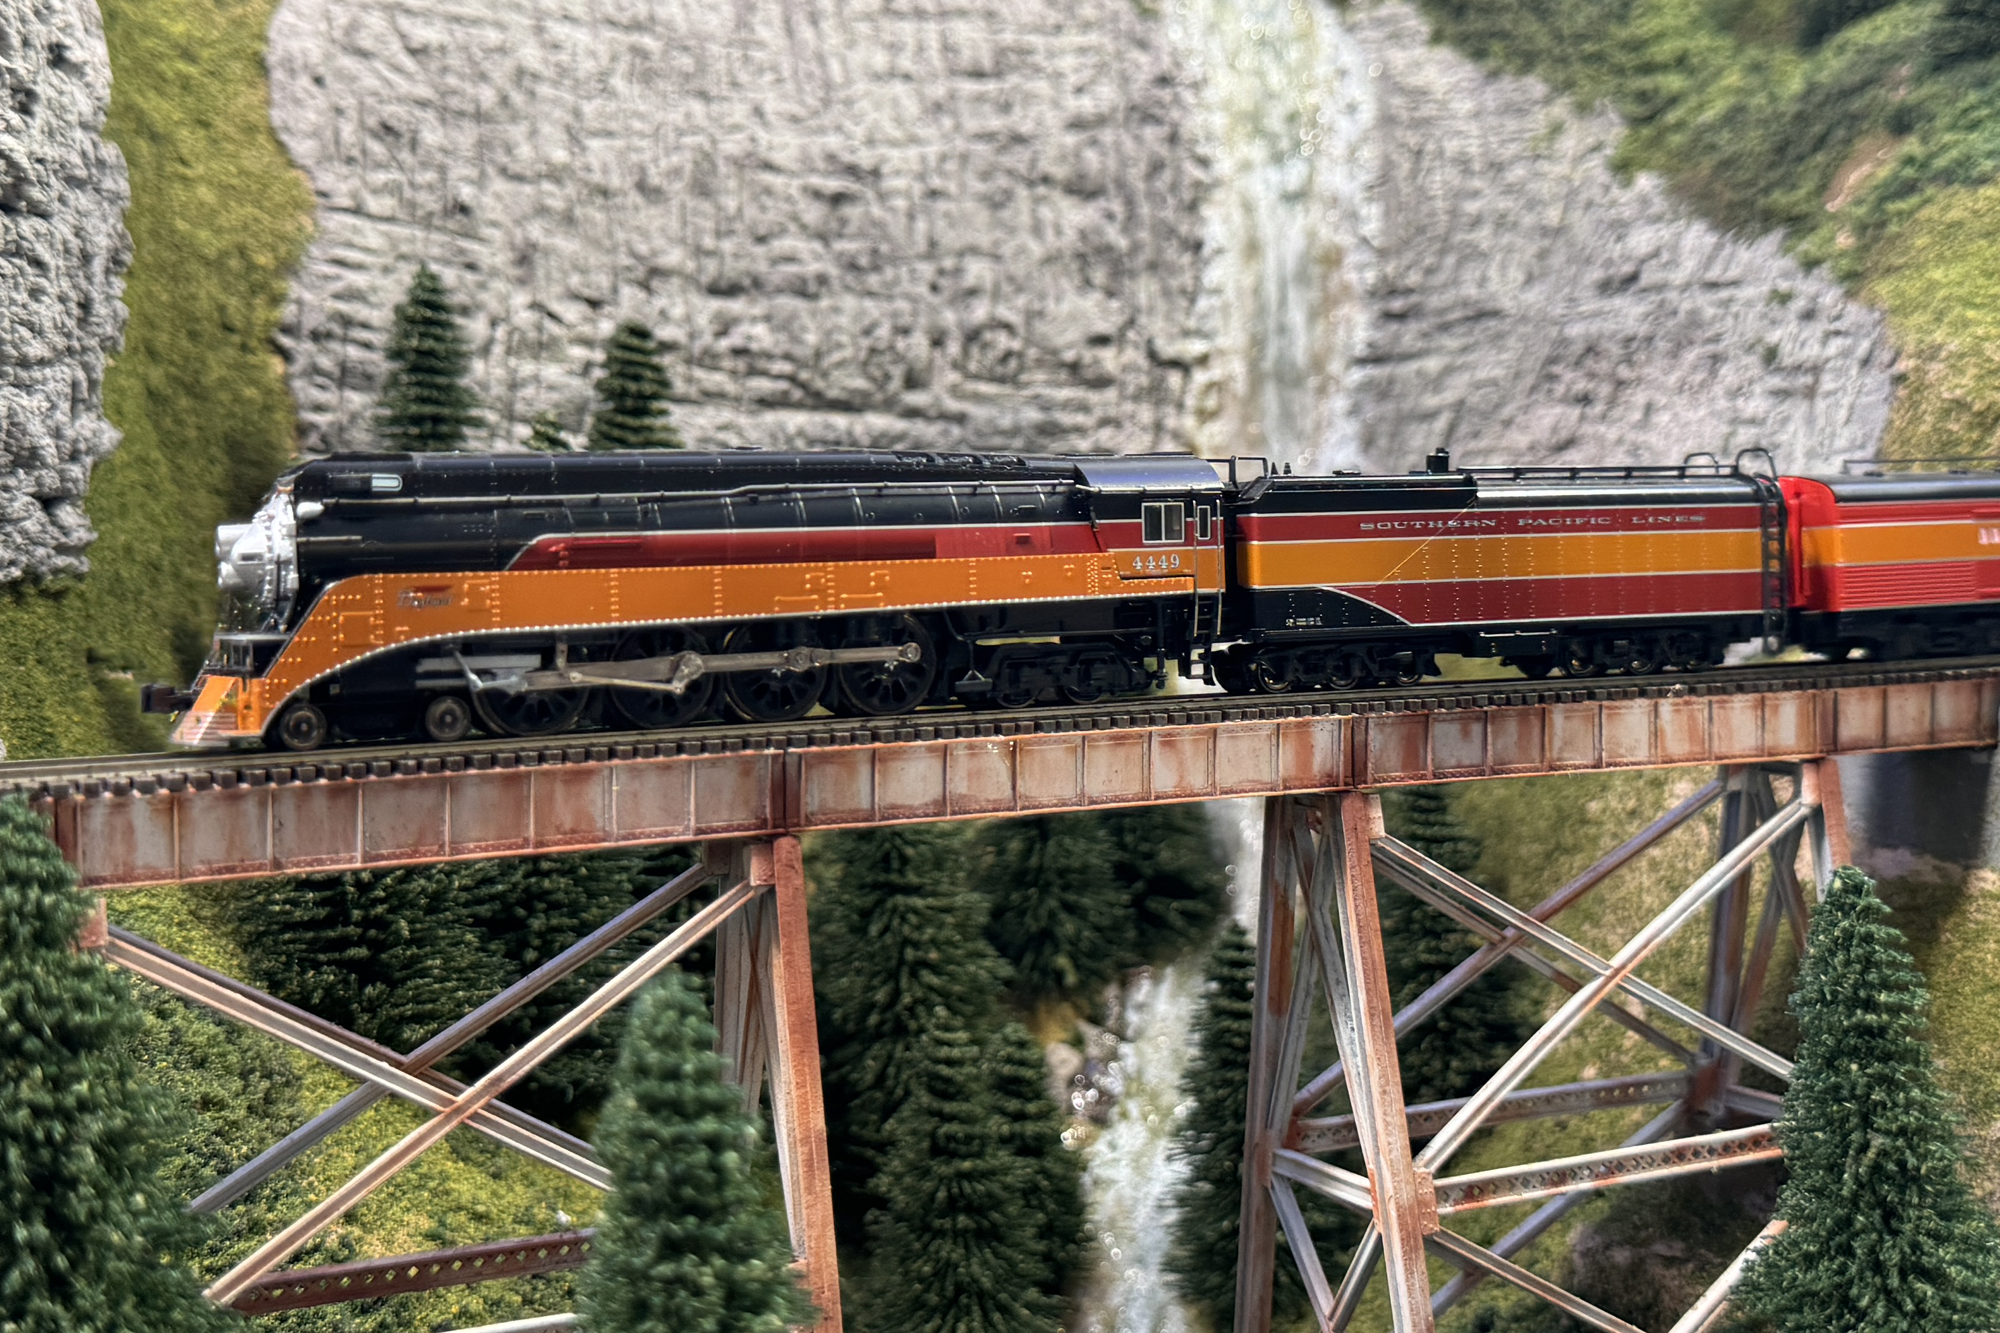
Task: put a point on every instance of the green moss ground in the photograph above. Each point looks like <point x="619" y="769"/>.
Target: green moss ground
<point x="218" y="218"/>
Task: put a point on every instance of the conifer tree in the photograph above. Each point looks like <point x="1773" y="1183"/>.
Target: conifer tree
<point x="1033" y="1127"/>
<point x="897" y="935"/>
<point x="688" y="1242"/>
<point x="425" y="404"/>
<point x="1167" y="857"/>
<point x="1061" y="915"/>
<point x="1208" y="1202"/>
<point x="1472" y="1035"/>
<point x="1884" y="1236"/>
<point x="632" y="395"/>
<point x="955" y="1249"/>
<point x="85" y="1225"/>
<point x="545" y="435"/>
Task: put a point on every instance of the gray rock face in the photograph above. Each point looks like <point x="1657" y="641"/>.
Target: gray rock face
<point x="1236" y="225"/>
<point x="1519" y="303"/>
<point x="63" y="252"/>
<point x="861" y="222"/>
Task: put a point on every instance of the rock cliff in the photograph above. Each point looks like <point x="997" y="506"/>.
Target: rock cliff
<point x="1241" y="225"/>
<point x="63" y="252"/>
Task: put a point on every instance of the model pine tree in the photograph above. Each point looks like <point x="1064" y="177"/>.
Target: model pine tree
<point x="85" y="1225"/>
<point x="1061" y="915"/>
<point x="545" y="435"/>
<point x="688" y="1242"/>
<point x="1884" y="1235"/>
<point x="632" y="395"/>
<point x="1167" y="857"/>
<point x="1454" y="1050"/>
<point x="897" y="936"/>
<point x="1032" y="1126"/>
<point x="955" y="1249"/>
<point x="1210" y="1144"/>
<point x="425" y="404"/>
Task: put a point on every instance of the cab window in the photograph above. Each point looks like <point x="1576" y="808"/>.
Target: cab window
<point x="1163" y="522"/>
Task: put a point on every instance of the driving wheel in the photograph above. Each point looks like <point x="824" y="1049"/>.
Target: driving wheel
<point x="530" y="712"/>
<point x="654" y="710"/>
<point x="774" y="695"/>
<point x="884" y="689"/>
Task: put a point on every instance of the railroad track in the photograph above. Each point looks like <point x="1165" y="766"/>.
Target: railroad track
<point x="147" y="774"/>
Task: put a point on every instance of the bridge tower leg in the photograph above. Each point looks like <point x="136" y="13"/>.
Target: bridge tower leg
<point x="1319" y="935"/>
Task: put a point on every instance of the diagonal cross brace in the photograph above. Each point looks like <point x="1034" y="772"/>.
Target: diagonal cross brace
<point x="226" y="1289"/>
<point x="347" y="1053"/>
<point x="280" y="1154"/>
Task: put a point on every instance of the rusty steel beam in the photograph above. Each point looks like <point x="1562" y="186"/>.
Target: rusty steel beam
<point x="225" y="1289"/>
<point x="374" y="1279"/>
<point x="1333" y="1133"/>
<point x="1602" y="1170"/>
<point x="1707" y="1311"/>
<point x="1299" y="1237"/>
<point x="1277" y="980"/>
<point x="214" y="817"/>
<point x="1650" y="937"/>
<point x="1488" y="955"/>
<point x="259" y="1168"/>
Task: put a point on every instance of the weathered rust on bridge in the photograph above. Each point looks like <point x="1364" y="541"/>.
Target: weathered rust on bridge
<point x="270" y="814"/>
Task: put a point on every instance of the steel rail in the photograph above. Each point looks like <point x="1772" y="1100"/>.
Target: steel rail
<point x="225" y="1289"/>
<point x="1466" y="1255"/>
<point x="347" y="1053"/>
<point x="273" y="1159"/>
<point x="1490" y="954"/>
<point x="1655" y="933"/>
<point x="177" y="770"/>
<point x="1602" y="1170"/>
<point x="1419" y="874"/>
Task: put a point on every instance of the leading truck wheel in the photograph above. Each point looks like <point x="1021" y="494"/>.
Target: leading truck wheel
<point x="302" y="727"/>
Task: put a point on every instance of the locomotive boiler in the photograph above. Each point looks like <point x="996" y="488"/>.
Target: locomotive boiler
<point x="429" y="595"/>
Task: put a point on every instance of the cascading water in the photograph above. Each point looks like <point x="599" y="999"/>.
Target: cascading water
<point x="1284" y="115"/>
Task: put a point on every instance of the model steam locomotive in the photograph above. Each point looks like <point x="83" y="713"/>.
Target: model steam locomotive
<point x="426" y="595"/>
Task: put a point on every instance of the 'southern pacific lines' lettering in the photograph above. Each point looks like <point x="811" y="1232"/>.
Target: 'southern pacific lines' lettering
<point x="1427" y="524"/>
<point x="1519" y="521"/>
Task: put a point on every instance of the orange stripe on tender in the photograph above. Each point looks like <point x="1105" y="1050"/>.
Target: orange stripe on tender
<point x="1433" y="559"/>
<point x="372" y="612"/>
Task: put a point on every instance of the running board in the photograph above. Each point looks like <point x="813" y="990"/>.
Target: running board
<point x="673" y="673"/>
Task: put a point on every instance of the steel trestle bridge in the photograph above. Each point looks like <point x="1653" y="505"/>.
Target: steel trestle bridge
<point x="745" y="793"/>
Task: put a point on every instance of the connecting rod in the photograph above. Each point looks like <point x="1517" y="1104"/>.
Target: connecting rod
<point x="282" y="1246"/>
<point x="1525" y="1060"/>
<point x="280" y="1154"/>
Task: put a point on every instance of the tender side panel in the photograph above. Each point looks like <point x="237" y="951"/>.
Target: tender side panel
<point x="1507" y="564"/>
<point x="1874" y="551"/>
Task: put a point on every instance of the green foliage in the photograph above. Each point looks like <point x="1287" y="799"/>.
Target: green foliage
<point x="1061" y="916"/>
<point x="632" y="395"/>
<point x="1967" y="30"/>
<point x="1884" y="1236"/>
<point x="426" y="405"/>
<point x="1820" y="19"/>
<point x="1167" y="858"/>
<point x="1031" y="1125"/>
<point x="88" y="1224"/>
<point x="545" y="435"/>
<point x="896" y="936"/>
<point x="395" y="955"/>
<point x="956" y="1249"/>
<point x="1465" y="1041"/>
<point x="218" y="218"/>
<point x="688" y="1243"/>
<point x="1210" y="1142"/>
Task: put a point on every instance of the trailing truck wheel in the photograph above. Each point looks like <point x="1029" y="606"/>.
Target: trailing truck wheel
<point x="531" y="712"/>
<point x="447" y="718"/>
<point x="656" y="710"/>
<point x="302" y="727"/>
<point x="1269" y="674"/>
